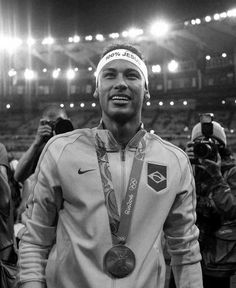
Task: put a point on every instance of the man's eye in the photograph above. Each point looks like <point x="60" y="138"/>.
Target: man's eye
<point x="133" y="76"/>
<point x="109" y="75"/>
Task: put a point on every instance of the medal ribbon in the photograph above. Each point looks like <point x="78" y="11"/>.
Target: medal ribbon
<point x="120" y="226"/>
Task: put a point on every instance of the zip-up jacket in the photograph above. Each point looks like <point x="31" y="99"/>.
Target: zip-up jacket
<point x="67" y="231"/>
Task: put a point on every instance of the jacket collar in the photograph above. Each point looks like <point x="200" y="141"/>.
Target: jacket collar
<point x="110" y="142"/>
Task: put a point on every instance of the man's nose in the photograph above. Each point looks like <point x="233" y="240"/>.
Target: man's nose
<point x="120" y="82"/>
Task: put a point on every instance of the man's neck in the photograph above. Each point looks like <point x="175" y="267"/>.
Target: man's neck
<point x="124" y="132"/>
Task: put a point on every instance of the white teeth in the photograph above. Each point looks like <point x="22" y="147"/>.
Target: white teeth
<point x="119" y="98"/>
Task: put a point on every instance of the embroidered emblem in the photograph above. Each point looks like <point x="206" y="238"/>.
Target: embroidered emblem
<point x="157" y="176"/>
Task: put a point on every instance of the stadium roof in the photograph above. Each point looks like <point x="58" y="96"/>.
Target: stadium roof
<point x="190" y="39"/>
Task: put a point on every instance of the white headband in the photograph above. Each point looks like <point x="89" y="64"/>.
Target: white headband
<point x="123" y="54"/>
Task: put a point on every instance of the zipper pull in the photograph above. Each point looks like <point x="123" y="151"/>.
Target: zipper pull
<point x="122" y="154"/>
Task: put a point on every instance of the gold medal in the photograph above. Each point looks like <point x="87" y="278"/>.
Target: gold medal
<point x="119" y="261"/>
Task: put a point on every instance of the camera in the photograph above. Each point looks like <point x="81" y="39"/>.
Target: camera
<point x="59" y="126"/>
<point x="206" y="147"/>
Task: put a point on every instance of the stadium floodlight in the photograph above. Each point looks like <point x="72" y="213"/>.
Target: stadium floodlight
<point x="223" y="15"/>
<point x="193" y="21"/>
<point x="82" y="105"/>
<point x="8" y="106"/>
<point x="208" y="18"/>
<point x="93" y="104"/>
<point x="89" y="38"/>
<point x="70" y="74"/>
<point x="156" y="68"/>
<point x="10" y="44"/>
<point x="216" y="17"/>
<point x="29" y="74"/>
<point x="30" y="41"/>
<point x="74" y="39"/>
<point x="55" y="73"/>
<point x="99" y="37"/>
<point x="198" y="21"/>
<point x="12" y="72"/>
<point x="231" y="13"/>
<point x="160" y="103"/>
<point x="134" y="32"/>
<point x="160" y="28"/>
<point x="62" y="105"/>
<point x="172" y="103"/>
<point x="208" y="57"/>
<point x="125" y="34"/>
<point x="114" y="35"/>
<point x="173" y="66"/>
<point x="185" y="103"/>
<point x="224" y="55"/>
<point x="48" y="41"/>
<point x="72" y="105"/>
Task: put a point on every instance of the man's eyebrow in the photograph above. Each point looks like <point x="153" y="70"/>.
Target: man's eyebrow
<point x="132" y="70"/>
<point x="109" y="69"/>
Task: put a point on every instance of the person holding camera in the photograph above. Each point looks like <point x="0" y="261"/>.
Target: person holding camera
<point x="215" y="178"/>
<point x="54" y="121"/>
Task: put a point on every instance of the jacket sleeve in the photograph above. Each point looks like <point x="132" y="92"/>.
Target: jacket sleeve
<point x="182" y="234"/>
<point x="40" y="220"/>
<point x="223" y="194"/>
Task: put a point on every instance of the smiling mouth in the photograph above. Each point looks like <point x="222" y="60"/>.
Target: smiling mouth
<point x="120" y="99"/>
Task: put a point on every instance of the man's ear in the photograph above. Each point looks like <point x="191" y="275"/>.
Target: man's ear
<point x="146" y="95"/>
<point x="96" y="94"/>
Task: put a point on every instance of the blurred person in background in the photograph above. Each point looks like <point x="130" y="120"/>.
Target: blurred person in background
<point x="103" y="196"/>
<point x="215" y="177"/>
<point x="8" y="254"/>
<point x="54" y="121"/>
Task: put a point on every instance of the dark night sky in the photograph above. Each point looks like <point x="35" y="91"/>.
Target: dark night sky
<point x="63" y="18"/>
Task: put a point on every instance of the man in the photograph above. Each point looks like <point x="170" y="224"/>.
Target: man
<point x="103" y="196"/>
<point x="7" y="248"/>
<point x="52" y="118"/>
<point x="215" y="178"/>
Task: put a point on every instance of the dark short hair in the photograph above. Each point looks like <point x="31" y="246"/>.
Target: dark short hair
<point x="122" y="45"/>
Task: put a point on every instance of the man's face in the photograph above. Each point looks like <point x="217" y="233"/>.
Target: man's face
<point x="121" y="88"/>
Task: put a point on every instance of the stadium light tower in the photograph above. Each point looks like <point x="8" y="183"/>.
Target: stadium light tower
<point x="30" y="41"/>
<point x="10" y="44"/>
<point x="48" y="41"/>
<point x="70" y="74"/>
<point x="134" y="32"/>
<point x="173" y="66"/>
<point x="160" y="28"/>
<point x="29" y="74"/>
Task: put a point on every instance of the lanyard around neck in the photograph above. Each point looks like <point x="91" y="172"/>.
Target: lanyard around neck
<point x="120" y="225"/>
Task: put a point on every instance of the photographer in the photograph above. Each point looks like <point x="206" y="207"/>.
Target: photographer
<point x="54" y="121"/>
<point x="215" y="177"/>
